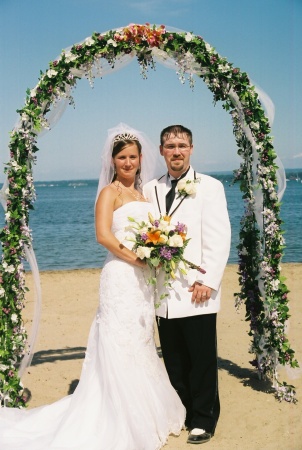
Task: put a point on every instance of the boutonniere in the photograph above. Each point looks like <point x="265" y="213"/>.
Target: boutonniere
<point x="186" y="187"/>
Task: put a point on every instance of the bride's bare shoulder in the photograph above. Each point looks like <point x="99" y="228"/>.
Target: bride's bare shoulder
<point x="110" y="196"/>
<point x="108" y="193"/>
<point x="109" y="189"/>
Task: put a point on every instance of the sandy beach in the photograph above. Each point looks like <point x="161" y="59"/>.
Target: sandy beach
<point x="251" y="418"/>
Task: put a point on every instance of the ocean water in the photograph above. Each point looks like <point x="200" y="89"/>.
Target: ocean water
<point x="63" y="222"/>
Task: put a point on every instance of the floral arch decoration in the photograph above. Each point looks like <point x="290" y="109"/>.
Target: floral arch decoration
<point x="261" y="241"/>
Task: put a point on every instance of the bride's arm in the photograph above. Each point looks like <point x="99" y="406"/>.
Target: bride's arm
<point x="103" y="221"/>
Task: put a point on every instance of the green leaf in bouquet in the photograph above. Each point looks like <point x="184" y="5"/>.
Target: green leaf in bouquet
<point x="154" y="261"/>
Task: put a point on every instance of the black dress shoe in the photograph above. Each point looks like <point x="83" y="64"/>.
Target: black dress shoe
<point x="199" y="438"/>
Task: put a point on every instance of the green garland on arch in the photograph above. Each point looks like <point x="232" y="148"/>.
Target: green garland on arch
<point x="260" y="249"/>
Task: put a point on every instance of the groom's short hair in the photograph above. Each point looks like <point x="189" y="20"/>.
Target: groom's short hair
<point x="175" y="130"/>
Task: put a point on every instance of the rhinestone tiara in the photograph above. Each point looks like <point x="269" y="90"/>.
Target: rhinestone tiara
<point x="125" y="136"/>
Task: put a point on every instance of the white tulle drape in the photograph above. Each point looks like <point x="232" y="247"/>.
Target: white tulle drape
<point x="102" y="68"/>
<point x="31" y="258"/>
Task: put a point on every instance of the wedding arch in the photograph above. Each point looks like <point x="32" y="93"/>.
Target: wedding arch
<point x="260" y="249"/>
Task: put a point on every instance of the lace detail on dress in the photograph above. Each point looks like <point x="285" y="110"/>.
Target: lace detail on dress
<point x="124" y="400"/>
<point x="126" y="311"/>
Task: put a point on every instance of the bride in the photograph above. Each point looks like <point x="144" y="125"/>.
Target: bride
<point x="124" y="400"/>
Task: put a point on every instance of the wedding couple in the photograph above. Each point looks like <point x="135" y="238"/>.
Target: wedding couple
<point x="125" y="400"/>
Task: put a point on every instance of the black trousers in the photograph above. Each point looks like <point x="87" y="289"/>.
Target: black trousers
<point x="189" y="348"/>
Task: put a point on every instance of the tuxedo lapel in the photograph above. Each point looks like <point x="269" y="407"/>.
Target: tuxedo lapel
<point x="160" y="194"/>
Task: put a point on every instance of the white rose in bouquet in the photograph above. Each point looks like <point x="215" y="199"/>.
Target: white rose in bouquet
<point x="144" y="252"/>
<point x="165" y="226"/>
<point x="175" y="241"/>
<point x="163" y="238"/>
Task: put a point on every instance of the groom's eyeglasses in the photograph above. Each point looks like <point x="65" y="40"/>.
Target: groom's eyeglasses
<point x="181" y="147"/>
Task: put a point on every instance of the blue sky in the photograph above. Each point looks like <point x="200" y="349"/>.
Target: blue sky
<point x="262" y="37"/>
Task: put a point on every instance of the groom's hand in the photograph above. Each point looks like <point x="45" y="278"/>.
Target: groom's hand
<point x="200" y="292"/>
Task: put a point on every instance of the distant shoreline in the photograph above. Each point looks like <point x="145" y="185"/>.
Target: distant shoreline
<point x="293" y="173"/>
<point x="97" y="269"/>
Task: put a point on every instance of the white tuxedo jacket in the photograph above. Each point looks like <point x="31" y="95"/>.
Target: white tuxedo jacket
<point x="206" y="217"/>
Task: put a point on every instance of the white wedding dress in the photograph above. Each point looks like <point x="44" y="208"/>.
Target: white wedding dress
<point x="124" y="400"/>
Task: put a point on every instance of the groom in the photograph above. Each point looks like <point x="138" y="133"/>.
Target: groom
<point x="187" y="315"/>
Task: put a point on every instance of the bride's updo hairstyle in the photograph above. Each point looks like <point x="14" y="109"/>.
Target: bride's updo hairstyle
<point x="119" y="143"/>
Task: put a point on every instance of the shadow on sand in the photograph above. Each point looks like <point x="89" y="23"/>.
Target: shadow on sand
<point x="248" y="377"/>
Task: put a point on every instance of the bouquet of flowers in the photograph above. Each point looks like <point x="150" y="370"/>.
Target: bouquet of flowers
<point x="162" y="245"/>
